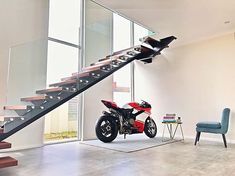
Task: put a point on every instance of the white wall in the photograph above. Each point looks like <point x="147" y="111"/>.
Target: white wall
<point x="195" y="81"/>
<point x="23" y="21"/>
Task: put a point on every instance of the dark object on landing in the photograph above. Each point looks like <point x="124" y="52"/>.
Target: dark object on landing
<point x="163" y="43"/>
<point x="158" y="46"/>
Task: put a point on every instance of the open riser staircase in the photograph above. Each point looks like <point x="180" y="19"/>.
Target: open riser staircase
<point x="48" y="99"/>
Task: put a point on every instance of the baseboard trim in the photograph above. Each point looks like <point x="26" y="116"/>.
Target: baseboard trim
<point x="61" y="142"/>
<point x="88" y="139"/>
<point x="207" y="139"/>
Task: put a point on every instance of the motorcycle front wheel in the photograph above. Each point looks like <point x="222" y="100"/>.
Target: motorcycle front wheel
<point x="106" y="129"/>
<point x="150" y="128"/>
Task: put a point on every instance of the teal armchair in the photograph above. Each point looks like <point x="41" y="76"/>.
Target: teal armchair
<point x="214" y="127"/>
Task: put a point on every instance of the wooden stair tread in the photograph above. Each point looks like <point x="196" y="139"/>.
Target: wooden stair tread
<point x="121" y="89"/>
<point x="103" y="59"/>
<point x="63" y="83"/>
<point x="116" y="54"/>
<point x="5" y="145"/>
<point x="119" y="57"/>
<point x="136" y="50"/>
<point x="113" y="58"/>
<point x="35" y="98"/>
<point x="107" y="61"/>
<point x="93" y="68"/>
<point x="44" y="91"/>
<point x="76" y="76"/>
<point x="10" y="119"/>
<point x="85" y="71"/>
<point x="8" y="162"/>
<point x="121" y="51"/>
<point x="18" y="107"/>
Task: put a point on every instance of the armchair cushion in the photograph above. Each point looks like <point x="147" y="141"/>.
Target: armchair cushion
<point x="211" y="125"/>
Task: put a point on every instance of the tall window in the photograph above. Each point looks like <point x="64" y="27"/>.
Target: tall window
<point x="64" y="20"/>
<point x="122" y="38"/>
<point x="121" y="78"/>
<point x="63" y="54"/>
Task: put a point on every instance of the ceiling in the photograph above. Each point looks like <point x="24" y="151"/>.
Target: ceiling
<point x="188" y="20"/>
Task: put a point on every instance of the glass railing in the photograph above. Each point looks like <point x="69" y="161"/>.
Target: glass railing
<point x="27" y="70"/>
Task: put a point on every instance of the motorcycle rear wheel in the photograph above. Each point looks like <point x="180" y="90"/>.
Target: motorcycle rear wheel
<point x="106" y="129"/>
<point x="150" y="128"/>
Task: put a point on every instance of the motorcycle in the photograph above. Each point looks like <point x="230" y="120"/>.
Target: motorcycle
<point x="132" y="118"/>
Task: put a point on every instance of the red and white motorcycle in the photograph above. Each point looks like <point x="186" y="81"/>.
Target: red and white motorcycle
<point x="130" y="119"/>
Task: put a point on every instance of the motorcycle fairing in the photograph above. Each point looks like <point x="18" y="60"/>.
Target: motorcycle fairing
<point x="139" y="125"/>
<point x="139" y="108"/>
<point x="109" y="104"/>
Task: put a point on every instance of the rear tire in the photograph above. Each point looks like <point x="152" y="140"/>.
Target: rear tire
<point x="106" y="129"/>
<point x="150" y="128"/>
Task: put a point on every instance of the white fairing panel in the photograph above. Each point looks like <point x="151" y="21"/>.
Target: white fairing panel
<point x="142" y="117"/>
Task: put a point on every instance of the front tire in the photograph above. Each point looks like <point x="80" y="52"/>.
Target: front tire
<point x="106" y="129"/>
<point x="150" y="128"/>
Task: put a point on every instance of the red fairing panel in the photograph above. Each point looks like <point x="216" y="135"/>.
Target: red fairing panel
<point x="113" y="104"/>
<point x="139" y="125"/>
<point x="138" y="108"/>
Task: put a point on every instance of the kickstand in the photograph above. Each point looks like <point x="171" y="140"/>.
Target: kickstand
<point x="124" y="136"/>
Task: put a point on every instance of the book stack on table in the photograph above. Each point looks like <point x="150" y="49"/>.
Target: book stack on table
<point x="169" y="118"/>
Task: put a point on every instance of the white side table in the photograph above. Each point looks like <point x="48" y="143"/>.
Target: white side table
<point x="172" y="132"/>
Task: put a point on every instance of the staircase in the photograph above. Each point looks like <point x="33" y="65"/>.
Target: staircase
<point x="47" y="100"/>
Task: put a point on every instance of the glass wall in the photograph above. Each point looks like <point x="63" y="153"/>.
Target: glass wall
<point x="121" y="78"/>
<point x="104" y="32"/>
<point x="47" y="61"/>
<point x="62" y="61"/>
<point x="125" y="34"/>
<point x="98" y="32"/>
<point x="98" y="44"/>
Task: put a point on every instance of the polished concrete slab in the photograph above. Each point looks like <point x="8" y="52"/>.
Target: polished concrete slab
<point x="74" y="159"/>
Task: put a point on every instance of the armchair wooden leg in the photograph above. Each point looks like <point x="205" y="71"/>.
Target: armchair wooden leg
<point x="198" y="133"/>
<point x="198" y="138"/>
<point x="224" y="139"/>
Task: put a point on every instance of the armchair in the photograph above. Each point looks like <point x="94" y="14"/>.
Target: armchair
<point x="214" y="127"/>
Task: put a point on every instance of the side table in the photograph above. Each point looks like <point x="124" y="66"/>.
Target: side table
<point x="169" y="126"/>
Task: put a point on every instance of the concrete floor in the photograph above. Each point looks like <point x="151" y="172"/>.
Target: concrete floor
<point x="74" y="159"/>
